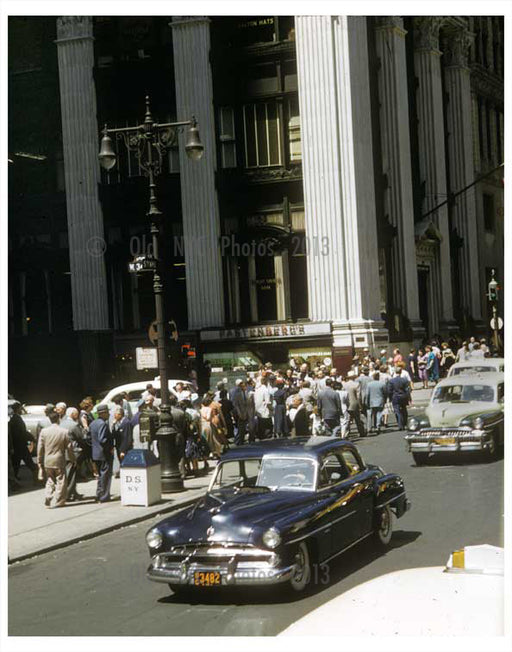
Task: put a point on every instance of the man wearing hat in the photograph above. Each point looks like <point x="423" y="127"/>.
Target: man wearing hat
<point x="353" y="413"/>
<point x="44" y="422"/>
<point x="102" y="452"/>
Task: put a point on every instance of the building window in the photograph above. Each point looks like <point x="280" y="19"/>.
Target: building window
<point x="294" y="130"/>
<point x="227" y="137"/>
<point x="262" y="134"/>
<point x="489" y="222"/>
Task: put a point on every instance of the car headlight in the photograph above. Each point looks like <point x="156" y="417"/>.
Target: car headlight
<point x="154" y="538"/>
<point x="271" y="538"/>
<point x="413" y="424"/>
<point x="466" y="421"/>
<point x="478" y="423"/>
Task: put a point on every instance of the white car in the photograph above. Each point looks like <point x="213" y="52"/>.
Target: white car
<point x="478" y="366"/>
<point x="135" y="391"/>
<point x="463" y="598"/>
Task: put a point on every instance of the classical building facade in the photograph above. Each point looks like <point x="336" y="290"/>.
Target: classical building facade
<point x="350" y="195"/>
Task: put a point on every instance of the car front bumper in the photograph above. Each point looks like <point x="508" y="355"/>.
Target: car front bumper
<point x="233" y="567"/>
<point x="447" y="440"/>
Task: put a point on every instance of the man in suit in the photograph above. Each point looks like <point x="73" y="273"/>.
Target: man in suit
<point x="400" y="394"/>
<point x="102" y="452"/>
<point x="122" y="433"/>
<point x="299" y="418"/>
<point x="240" y="410"/>
<point x="21" y="438"/>
<point x="376" y="396"/>
<point x="363" y="380"/>
<point x="53" y="444"/>
<point x="76" y="434"/>
<point x="354" y="407"/>
<point x="329" y="406"/>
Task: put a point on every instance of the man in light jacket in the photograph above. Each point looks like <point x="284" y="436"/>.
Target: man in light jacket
<point x="263" y="408"/>
<point x="52" y="446"/>
<point x="376" y="396"/>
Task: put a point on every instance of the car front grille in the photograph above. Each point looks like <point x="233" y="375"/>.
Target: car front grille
<point x="214" y="554"/>
<point x="460" y="434"/>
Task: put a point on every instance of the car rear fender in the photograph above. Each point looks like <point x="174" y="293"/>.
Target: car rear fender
<point x="390" y="490"/>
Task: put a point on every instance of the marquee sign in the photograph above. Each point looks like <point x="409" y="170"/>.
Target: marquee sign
<point x="268" y="332"/>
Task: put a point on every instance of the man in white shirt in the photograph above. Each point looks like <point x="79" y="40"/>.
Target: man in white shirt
<point x="263" y="408"/>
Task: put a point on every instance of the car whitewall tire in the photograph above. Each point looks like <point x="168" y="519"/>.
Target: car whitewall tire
<point x="302" y="573"/>
<point x="384" y="528"/>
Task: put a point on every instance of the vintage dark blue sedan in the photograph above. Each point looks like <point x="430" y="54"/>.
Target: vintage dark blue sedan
<point x="272" y="510"/>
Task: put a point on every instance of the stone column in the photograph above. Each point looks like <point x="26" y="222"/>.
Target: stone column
<point x="334" y="100"/>
<point x="461" y="158"/>
<point x="396" y="160"/>
<point x="80" y="139"/>
<point x="201" y="222"/>
<point x="432" y="156"/>
<point x="476" y="139"/>
<point x="493" y="154"/>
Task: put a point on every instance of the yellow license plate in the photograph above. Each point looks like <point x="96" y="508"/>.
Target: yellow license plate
<point x="206" y="579"/>
<point x="446" y="441"/>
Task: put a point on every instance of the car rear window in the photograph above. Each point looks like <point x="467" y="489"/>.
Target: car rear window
<point x="472" y="370"/>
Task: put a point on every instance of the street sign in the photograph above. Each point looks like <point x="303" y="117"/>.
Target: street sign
<point x="500" y="324"/>
<point x="142" y="264"/>
<point x="146" y="358"/>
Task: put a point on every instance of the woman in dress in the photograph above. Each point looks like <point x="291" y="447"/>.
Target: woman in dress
<point x="432" y="365"/>
<point x="412" y="366"/>
<point x="213" y="427"/>
<point x="196" y="448"/>
<point x="422" y="368"/>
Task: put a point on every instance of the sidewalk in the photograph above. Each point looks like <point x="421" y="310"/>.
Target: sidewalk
<point x="33" y="529"/>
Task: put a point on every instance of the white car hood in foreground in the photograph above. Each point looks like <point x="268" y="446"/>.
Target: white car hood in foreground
<point x="414" y="602"/>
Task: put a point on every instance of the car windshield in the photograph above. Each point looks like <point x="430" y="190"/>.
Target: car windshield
<point x="286" y="473"/>
<point x="472" y="370"/>
<point x="239" y="473"/>
<point x="463" y="394"/>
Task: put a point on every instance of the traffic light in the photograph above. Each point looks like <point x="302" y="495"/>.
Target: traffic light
<point x="493" y="288"/>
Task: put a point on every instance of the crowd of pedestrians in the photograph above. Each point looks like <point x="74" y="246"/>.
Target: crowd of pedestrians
<point x="76" y="444"/>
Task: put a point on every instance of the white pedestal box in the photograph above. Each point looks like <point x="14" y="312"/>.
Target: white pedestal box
<point x="140" y="479"/>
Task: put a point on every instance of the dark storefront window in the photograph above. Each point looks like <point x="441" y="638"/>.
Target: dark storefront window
<point x="262" y="134"/>
<point x="266" y="288"/>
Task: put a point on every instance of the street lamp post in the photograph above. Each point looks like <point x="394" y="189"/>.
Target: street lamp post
<point x="149" y="142"/>
<point x="493" y="289"/>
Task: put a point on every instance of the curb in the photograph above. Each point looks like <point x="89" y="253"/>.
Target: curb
<point x="104" y="530"/>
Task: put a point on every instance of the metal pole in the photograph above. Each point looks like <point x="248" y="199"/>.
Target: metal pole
<point x="495" y="329"/>
<point x="166" y="433"/>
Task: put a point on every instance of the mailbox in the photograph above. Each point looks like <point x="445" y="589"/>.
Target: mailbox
<point x="140" y="478"/>
<point x="148" y="425"/>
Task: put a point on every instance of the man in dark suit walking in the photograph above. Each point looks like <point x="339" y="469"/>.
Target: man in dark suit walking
<point x="400" y="395"/>
<point x="102" y="452"/>
<point x="329" y="405"/>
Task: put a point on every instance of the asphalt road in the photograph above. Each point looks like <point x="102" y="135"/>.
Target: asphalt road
<point x="98" y="587"/>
